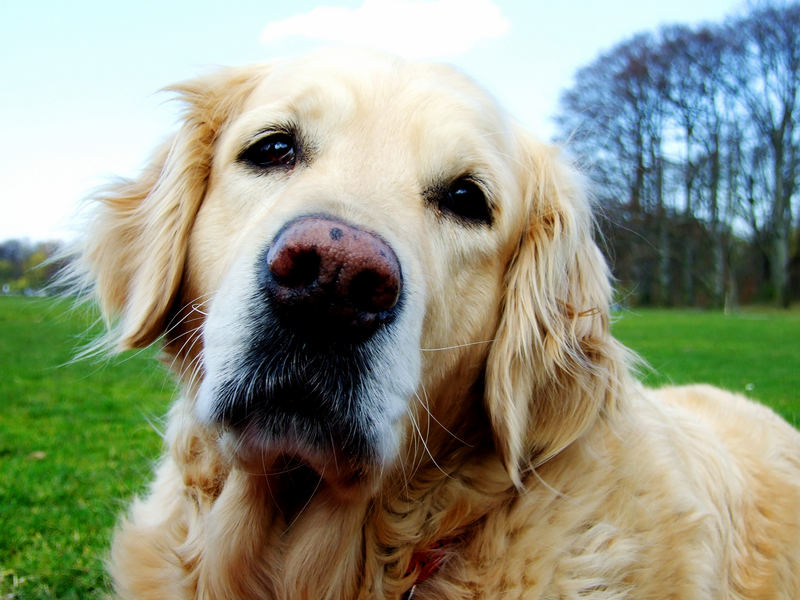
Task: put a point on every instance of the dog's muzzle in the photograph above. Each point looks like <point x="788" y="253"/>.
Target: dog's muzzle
<point x="330" y="281"/>
<point x="314" y="356"/>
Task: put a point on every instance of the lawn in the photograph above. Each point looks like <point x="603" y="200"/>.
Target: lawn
<point x="753" y="352"/>
<point x="78" y="439"/>
<point x="76" y="442"/>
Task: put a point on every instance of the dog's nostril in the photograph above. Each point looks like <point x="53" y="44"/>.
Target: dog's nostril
<point x="295" y="268"/>
<point x="374" y="292"/>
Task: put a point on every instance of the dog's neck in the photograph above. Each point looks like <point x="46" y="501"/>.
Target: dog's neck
<point x="310" y="547"/>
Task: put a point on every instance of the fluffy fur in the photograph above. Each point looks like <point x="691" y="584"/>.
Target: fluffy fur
<point x="516" y="436"/>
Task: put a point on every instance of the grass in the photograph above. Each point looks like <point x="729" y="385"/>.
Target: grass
<point x="77" y="440"/>
<point x="756" y="353"/>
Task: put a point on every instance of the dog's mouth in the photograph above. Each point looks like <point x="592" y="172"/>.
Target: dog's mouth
<point x="304" y="437"/>
<point x="296" y="471"/>
<point x="293" y="484"/>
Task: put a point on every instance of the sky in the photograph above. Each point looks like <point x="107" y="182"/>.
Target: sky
<point x="80" y="101"/>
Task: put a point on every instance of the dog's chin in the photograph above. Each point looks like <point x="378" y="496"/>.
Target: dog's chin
<point x="296" y="474"/>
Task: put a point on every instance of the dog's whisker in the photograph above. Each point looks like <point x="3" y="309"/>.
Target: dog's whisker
<point x="186" y="311"/>
<point x="192" y="335"/>
<point x="430" y="414"/>
<point x="189" y="370"/>
<point x="192" y="338"/>
<point x="557" y="493"/>
<point x="333" y="451"/>
<point x="426" y="407"/>
<point x="428" y="451"/>
<point x="194" y="368"/>
<point x="413" y="453"/>
<point x="196" y="308"/>
<point x="156" y="424"/>
<point x="457" y="346"/>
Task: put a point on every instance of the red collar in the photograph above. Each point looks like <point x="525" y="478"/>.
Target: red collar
<point x="425" y="563"/>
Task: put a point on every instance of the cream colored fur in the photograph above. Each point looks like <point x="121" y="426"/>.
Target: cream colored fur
<point x="527" y="448"/>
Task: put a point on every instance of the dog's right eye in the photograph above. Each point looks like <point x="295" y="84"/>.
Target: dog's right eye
<point x="464" y="199"/>
<point x="273" y="150"/>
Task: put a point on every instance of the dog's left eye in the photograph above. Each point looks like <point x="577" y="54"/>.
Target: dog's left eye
<point x="273" y="150"/>
<point x="465" y="200"/>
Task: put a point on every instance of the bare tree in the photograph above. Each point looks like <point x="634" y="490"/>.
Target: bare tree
<point x="767" y="80"/>
<point x="691" y="133"/>
<point x="612" y="118"/>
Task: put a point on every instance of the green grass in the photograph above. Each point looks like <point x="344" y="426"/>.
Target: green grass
<point x="77" y="440"/>
<point x="756" y="353"/>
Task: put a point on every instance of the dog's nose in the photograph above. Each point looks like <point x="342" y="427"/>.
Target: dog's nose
<point x="327" y="278"/>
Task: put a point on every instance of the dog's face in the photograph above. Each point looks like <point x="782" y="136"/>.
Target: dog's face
<point x="351" y="226"/>
<point x="349" y="252"/>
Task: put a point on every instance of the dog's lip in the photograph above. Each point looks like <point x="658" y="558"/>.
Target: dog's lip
<point x="336" y="471"/>
<point x="294" y="483"/>
<point x="340" y="485"/>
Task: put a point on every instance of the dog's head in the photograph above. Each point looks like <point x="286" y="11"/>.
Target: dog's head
<point x="344" y="253"/>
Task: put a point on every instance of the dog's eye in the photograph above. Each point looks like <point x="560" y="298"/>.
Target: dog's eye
<point x="273" y="150"/>
<point x="466" y="200"/>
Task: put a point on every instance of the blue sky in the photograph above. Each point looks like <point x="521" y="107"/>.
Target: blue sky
<point x="79" y="102"/>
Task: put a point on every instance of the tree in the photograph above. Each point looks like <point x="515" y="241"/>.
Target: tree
<point x="768" y="82"/>
<point x="612" y="117"/>
<point x="28" y="267"/>
<point x="690" y="134"/>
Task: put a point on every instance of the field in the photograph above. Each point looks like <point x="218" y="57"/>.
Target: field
<point x="754" y="352"/>
<point x="78" y="439"/>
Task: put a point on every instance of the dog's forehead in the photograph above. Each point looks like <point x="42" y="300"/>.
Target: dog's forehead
<point x="342" y="85"/>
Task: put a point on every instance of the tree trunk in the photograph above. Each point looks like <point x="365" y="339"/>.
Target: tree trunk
<point x="718" y="251"/>
<point x="781" y="225"/>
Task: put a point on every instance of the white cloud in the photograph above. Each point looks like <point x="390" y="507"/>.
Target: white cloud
<point x="411" y="28"/>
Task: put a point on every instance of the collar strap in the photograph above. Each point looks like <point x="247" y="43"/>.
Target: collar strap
<point x="425" y="563"/>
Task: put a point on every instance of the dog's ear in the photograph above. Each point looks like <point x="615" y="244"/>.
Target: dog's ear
<point x="133" y="254"/>
<point x="553" y="365"/>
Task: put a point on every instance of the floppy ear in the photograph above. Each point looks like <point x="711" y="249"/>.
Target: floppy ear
<point x="135" y="249"/>
<point x="553" y="367"/>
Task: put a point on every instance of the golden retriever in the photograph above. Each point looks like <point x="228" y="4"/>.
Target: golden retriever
<point x="390" y="324"/>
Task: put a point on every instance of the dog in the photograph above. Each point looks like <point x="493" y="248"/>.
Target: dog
<point x="389" y="321"/>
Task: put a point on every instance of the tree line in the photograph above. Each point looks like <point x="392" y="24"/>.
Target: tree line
<point x="27" y="267"/>
<point x="690" y="136"/>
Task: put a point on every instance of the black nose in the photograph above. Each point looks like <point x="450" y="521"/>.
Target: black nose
<point x="328" y="279"/>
